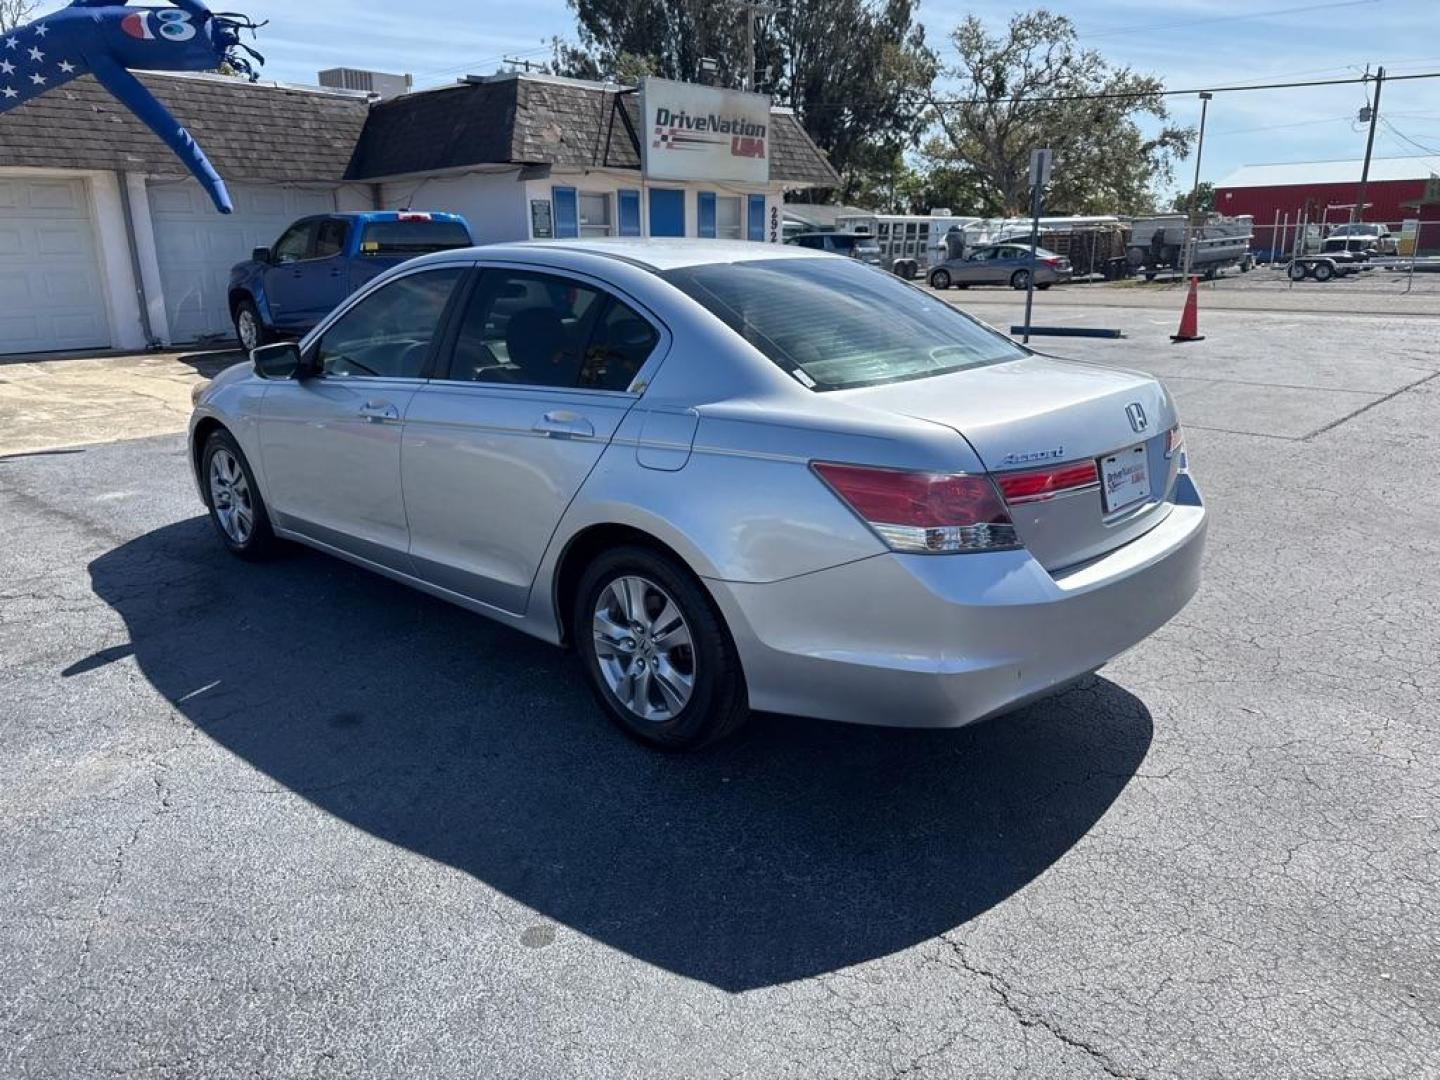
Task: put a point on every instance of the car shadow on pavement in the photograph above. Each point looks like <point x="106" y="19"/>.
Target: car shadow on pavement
<point x="796" y="849"/>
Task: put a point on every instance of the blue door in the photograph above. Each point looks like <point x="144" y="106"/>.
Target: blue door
<point x="756" y="225"/>
<point x="567" y="212"/>
<point x="705" y="214"/>
<point x="629" y="213"/>
<point x="667" y="212"/>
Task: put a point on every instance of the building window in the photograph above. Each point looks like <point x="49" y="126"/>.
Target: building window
<point x="595" y="219"/>
<point x="727" y="217"/>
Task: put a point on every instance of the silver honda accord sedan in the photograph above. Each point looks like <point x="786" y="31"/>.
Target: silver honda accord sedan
<point x="731" y="476"/>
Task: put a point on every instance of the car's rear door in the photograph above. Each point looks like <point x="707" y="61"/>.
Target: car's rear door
<point x="331" y="443"/>
<point x="321" y="280"/>
<point x="538" y="376"/>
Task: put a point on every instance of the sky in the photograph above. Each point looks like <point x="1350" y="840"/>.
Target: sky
<point x="1190" y="44"/>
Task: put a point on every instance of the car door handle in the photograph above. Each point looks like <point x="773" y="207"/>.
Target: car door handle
<point x="563" y="423"/>
<point x="379" y="412"/>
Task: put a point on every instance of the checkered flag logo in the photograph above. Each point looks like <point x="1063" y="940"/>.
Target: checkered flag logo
<point x="662" y="138"/>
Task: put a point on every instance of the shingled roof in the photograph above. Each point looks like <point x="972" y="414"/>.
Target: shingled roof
<point x="273" y="132"/>
<point x="537" y="120"/>
<point x="249" y="132"/>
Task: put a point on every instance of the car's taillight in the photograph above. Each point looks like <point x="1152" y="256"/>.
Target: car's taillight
<point x="924" y="512"/>
<point x="1174" y="441"/>
<point x="1037" y="485"/>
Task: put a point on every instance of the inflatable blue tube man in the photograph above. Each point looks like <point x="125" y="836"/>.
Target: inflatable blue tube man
<point x="106" y="39"/>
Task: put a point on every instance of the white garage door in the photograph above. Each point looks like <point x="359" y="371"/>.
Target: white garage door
<point x="50" y="294"/>
<point x="196" y="246"/>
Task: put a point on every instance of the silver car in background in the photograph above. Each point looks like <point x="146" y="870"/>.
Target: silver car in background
<point x="1002" y="264"/>
<point x="731" y="476"/>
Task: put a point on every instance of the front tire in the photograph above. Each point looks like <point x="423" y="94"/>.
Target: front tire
<point x="236" y="509"/>
<point x="250" y="330"/>
<point x="658" y="655"/>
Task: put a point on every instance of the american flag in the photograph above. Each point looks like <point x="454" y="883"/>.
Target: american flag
<point x="32" y="61"/>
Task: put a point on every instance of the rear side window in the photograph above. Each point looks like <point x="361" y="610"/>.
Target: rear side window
<point x="330" y="239"/>
<point x="837" y="323"/>
<point x="525" y="329"/>
<point x="412" y="237"/>
<point x="619" y="347"/>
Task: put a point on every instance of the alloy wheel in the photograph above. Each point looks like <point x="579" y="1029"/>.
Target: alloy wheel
<point x="230" y="497"/>
<point x="644" y="648"/>
<point x="249" y="329"/>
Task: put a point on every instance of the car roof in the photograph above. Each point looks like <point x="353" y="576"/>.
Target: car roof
<point x="652" y="253"/>
<point x="393" y="215"/>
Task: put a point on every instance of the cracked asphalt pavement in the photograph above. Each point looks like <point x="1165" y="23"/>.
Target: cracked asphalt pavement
<point x="293" y="820"/>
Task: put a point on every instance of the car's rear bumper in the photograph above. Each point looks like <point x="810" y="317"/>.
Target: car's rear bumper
<point x="942" y="641"/>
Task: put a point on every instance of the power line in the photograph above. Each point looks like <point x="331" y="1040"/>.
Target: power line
<point x="1130" y="95"/>
<point x="1400" y="134"/>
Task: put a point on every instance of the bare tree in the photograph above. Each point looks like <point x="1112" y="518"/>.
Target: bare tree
<point x="15" y="12"/>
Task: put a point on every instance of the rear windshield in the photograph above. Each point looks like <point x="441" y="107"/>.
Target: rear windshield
<point x="412" y="237"/>
<point x="837" y="323"/>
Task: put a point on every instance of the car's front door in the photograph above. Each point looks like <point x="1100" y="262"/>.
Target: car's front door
<point x="538" y="379"/>
<point x="975" y="269"/>
<point x="321" y="280"/>
<point x="283" y="275"/>
<point x="331" y="442"/>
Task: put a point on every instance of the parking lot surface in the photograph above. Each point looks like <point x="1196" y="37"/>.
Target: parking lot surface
<point x="294" y="820"/>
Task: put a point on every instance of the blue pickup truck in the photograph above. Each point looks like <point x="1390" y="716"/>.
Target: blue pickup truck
<point x="318" y="261"/>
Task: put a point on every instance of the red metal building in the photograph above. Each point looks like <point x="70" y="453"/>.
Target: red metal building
<point x="1322" y="192"/>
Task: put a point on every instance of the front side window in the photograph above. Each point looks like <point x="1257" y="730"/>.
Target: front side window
<point x="294" y="245"/>
<point x="818" y="319"/>
<point x="389" y="333"/>
<point x="525" y="329"/>
<point x="594" y="214"/>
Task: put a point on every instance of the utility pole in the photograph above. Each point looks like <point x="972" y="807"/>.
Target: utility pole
<point x="515" y="61"/>
<point x="752" y="11"/>
<point x="1205" y="97"/>
<point x="1357" y="212"/>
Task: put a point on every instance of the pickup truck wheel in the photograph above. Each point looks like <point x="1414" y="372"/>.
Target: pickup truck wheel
<point x="250" y="329"/>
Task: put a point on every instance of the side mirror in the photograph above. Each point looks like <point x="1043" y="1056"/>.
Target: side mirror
<point x="279" y="361"/>
<point x="260" y="255"/>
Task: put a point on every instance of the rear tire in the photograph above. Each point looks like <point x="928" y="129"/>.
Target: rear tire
<point x="940" y="279"/>
<point x="250" y="330"/>
<point x="1324" y="271"/>
<point x="1297" y="271"/>
<point x="1020" y="279"/>
<point x="669" y="676"/>
<point x="237" y="510"/>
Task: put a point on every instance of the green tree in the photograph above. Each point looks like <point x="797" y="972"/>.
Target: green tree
<point x="1204" y="203"/>
<point x="1033" y="86"/>
<point x="855" y="71"/>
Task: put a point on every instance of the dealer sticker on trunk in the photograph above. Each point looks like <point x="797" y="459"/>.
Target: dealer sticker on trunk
<point x="1124" y="479"/>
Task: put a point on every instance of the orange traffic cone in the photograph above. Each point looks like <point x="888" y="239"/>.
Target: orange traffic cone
<point x="1190" y="319"/>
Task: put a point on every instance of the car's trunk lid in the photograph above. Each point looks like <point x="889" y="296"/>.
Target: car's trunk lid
<point x="1038" y="413"/>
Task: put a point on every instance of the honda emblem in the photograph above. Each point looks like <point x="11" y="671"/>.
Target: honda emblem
<point x="1136" y="412"/>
